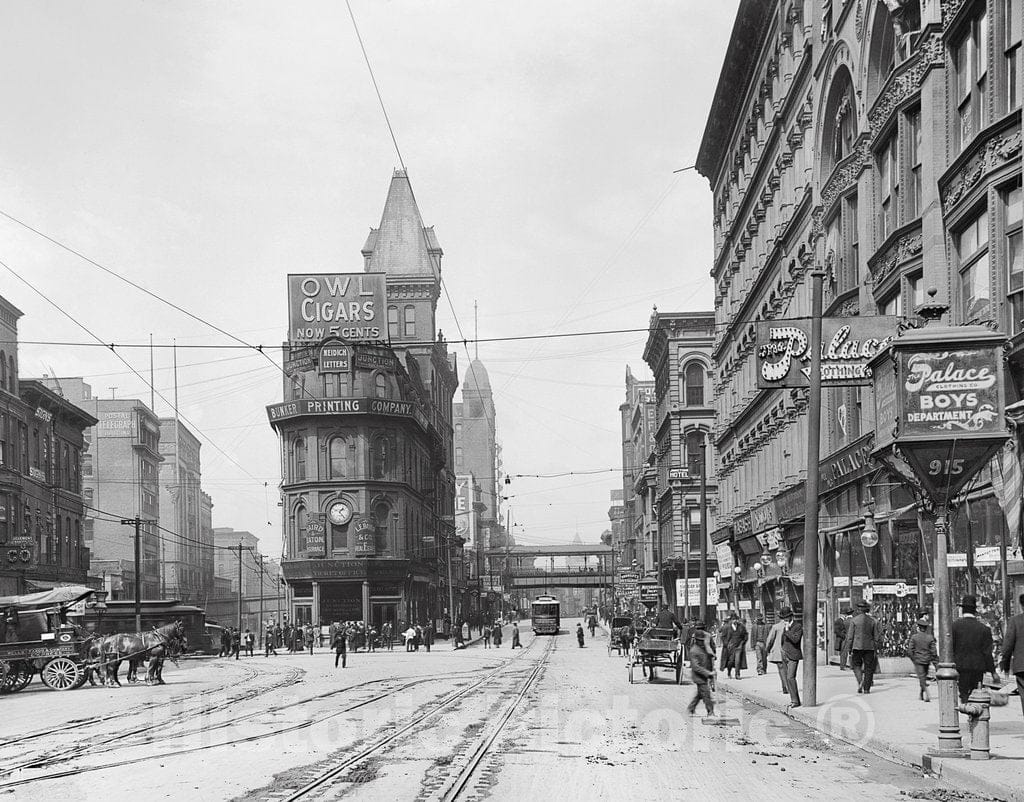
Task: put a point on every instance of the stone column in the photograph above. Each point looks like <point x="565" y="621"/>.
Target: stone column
<point x="366" y="601"/>
<point x="315" y="614"/>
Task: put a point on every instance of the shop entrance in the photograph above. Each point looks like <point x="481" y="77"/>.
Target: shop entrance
<point x="384" y="611"/>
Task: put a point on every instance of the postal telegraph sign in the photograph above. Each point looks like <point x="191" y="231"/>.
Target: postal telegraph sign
<point x="847" y="345"/>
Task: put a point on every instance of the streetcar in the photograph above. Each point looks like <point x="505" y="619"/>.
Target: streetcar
<point x="119" y="616"/>
<point x="545" y="615"/>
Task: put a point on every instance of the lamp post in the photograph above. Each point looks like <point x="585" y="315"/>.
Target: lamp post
<point x="704" y="528"/>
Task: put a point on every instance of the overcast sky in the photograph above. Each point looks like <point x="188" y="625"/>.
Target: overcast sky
<point x="206" y="149"/>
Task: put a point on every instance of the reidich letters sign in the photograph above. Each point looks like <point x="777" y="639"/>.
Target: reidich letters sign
<point x="847" y="345"/>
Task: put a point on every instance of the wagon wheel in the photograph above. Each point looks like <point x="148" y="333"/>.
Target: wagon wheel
<point x="15" y="675"/>
<point x="61" y="674"/>
<point x="82" y="679"/>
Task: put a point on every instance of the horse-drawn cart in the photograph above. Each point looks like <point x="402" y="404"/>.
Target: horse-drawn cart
<point x="657" y="648"/>
<point x="620" y="635"/>
<point x="36" y="638"/>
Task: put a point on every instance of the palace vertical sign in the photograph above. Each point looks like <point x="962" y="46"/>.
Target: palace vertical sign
<point x="949" y="404"/>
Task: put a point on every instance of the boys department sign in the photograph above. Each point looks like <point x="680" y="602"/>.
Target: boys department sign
<point x="847" y="345"/>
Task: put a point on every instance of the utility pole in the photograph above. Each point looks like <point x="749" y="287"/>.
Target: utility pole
<point x="810" y="600"/>
<point x="137" y="522"/>
<point x="451" y="590"/>
<point x="704" y="528"/>
<point x="259" y="575"/>
<point x="239" y="596"/>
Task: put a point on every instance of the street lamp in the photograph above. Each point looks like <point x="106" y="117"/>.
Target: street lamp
<point x="869" y="534"/>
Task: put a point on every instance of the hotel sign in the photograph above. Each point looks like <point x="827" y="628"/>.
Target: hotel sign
<point x="847" y="345"/>
<point x="351" y="306"/>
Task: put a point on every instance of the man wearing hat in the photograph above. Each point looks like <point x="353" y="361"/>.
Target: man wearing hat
<point x="972" y="648"/>
<point x="1012" y="661"/>
<point x="784" y="651"/>
<point x="861" y="642"/>
<point x="701" y="669"/>
<point x="922" y="653"/>
<point x="734" y="645"/>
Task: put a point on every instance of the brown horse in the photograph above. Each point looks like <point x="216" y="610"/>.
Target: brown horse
<point x="138" y="647"/>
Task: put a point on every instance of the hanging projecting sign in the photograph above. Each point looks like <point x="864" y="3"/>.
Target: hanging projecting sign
<point x="316" y="536"/>
<point x="847" y="345"/>
<point x="334" y="357"/>
<point x="949" y="416"/>
<point x="347" y="305"/>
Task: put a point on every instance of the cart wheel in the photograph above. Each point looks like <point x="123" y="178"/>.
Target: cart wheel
<point x="61" y="674"/>
<point x="14" y="675"/>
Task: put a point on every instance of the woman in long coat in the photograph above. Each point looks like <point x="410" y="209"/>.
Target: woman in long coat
<point x="496" y="635"/>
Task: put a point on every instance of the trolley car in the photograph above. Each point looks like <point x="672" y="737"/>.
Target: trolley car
<point x="545" y="614"/>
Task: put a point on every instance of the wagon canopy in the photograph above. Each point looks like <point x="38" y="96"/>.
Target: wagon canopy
<point x="57" y="597"/>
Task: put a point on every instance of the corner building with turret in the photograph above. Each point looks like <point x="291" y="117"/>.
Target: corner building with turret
<point x="368" y="487"/>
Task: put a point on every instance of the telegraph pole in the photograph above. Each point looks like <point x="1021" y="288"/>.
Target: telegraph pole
<point x="810" y="600"/>
<point x="137" y="522"/>
<point x="239" y="597"/>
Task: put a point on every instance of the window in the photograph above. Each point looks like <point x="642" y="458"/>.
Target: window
<point x="338" y="458"/>
<point x="380" y="386"/>
<point x="392" y="322"/>
<point x="845" y="126"/>
<point x="297" y="386"/>
<point x="970" y="75"/>
<point x="693" y="378"/>
<point x="893" y="305"/>
<point x="1014" y="259"/>
<point x="458" y="457"/>
<point x="889" y="186"/>
<point x="3" y="371"/>
<point x="972" y="255"/>
<point x="410" y="321"/>
<point x="694" y="460"/>
<point x="913" y="193"/>
<point x="915" y="291"/>
<point x="300" y="459"/>
<point x="850" y="274"/>
<point x="1011" y="51"/>
<point x="300" y="527"/>
<point x="381" y="458"/>
<point x="60" y="535"/>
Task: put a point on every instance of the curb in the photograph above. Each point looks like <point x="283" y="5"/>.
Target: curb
<point x="948" y="769"/>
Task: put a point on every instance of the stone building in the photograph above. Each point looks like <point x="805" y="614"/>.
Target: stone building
<point x="637" y="417"/>
<point x="879" y="141"/>
<point x="121" y="476"/>
<point x="678" y="352"/>
<point x="368" y="490"/>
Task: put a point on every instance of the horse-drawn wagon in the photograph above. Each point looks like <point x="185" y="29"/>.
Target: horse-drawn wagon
<point x="37" y="638"/>
<point x="620" y="635"/>
<point x="657" y="648"/>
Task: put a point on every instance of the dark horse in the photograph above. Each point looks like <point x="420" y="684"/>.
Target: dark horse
<point x="166" y="641"/>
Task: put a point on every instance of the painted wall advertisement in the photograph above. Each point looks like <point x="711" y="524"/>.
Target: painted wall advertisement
<point x="694" y="591"/>
<point x="350" y="306"/>
<point x="316" y="536"/>
<point x="465" y="518"/>
<point x="847" y="345"/>
<point x="364" y="534"/>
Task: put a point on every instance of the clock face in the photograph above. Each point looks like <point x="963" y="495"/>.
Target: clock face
<point x="340" y="512"/>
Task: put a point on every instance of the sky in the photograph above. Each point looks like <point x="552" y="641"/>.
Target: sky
<point x="204" y="150"/>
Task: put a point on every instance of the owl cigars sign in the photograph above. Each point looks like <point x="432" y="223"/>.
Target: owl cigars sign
<point x="346" y="305"/>
<point x="847" y="345"/>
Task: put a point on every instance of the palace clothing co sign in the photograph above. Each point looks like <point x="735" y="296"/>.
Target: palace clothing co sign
<point x="949" y="391"/>
<point x="847" y="345"/>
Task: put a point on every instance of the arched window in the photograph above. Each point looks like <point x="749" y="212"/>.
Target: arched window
<point x="458" y="457"/>
<point x="3" y="371"/>
<point x="381" y="458"/>
<point x="410" y="321"/>
<point x="392" y="322"/>
<point x="300" y="527"/>
<point x="11" y="385"/>
<point x="380" y="386"/>
<point x="382" y="516"/>
<point x="840" y="122"/>
<point x="694" y="462"/>
<point x="693" y="378"/>
<point x="337" y="456"/>
<point x="300" y="459"/>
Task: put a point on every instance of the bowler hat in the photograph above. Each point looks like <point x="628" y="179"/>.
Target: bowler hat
<point x="847" y="611"/>
<point x="863" y="605"/>
<point x="923" y="621"/>
<point x="785" y="612"/>
<point x="969" y="604"/>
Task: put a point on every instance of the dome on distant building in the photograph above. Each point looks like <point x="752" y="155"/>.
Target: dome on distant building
<point x="476" y="380"/>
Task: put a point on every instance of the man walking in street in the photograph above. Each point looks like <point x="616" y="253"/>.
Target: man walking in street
<point x="428" y="635"/>
<point x="701" y="671"/>
<point x="734" y="645"/>
<point x="385" y="636"/>
<point x="515" y="636"/>
<point x="250" y="641"/>
<point x="922" y="653"/>
<point x="1012" y="661"/>
<point x="784" y="642"/>
<point x="861" y="642"/>
<point x="268" y="642"/>
<point x="972" y="648"/>
<point x="339" y="644"/>
<point x="841" y="626"/>
<point x="487" y="636"/>
<point x="759" y="635"/>
<point x="236" y="642"/>
<point x="773" y="646"/>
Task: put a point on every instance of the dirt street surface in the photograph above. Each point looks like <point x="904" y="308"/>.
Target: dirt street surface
<point x="547" y="721"/>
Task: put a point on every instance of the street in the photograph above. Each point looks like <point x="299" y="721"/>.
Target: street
<point x="549" y="720"/>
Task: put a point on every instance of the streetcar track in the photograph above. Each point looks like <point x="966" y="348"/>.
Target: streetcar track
<point x="417" y="720"/>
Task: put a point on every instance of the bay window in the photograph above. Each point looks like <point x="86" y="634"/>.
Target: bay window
<point x="970" y="79"/>
<point x="973" y="261"/>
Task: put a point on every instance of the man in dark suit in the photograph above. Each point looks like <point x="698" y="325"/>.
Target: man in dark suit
<point x="734" y="645"/>
<point x="841" y="626"/>
<point x="791" y="652"/>
<point x="972" y="648"/>
<point x="1013" y="650"/>
<point x="861" y="643"/>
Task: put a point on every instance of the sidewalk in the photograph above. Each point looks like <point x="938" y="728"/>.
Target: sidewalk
<point x="893" y="723"/>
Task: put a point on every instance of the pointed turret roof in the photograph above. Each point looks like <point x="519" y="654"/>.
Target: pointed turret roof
<point x="402" y="245"/>
<point x="476" y="380"/>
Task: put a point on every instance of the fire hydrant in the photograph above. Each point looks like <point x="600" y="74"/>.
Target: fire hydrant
<point x="978" y="712"/>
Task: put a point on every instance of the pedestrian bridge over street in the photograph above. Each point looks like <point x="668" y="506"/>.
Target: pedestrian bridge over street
<point x="574" y="565"/>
